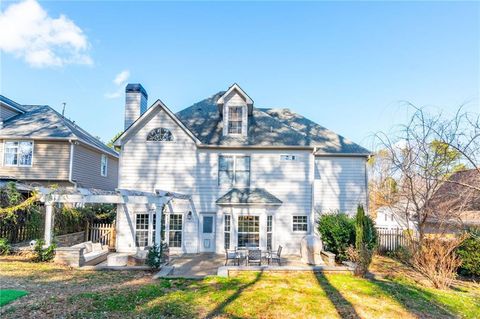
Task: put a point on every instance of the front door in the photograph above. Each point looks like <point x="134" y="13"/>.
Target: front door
<point x="207" y="230"/>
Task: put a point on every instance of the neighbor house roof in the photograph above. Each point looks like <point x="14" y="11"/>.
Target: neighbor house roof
<point x="43" y="122"/>
<point x="458" y="196"/>
<point x="248" y="196"/>
<point x="266" y="127"/>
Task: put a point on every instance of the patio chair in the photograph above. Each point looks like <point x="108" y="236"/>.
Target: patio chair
<point x="231" y="255"/>
<point x="275" y="256"/>
<point x="254" y="257"/>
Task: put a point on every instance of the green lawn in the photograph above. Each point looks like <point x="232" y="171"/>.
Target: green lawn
<point x="396" y="293"/>
<point x="8" y="295"/>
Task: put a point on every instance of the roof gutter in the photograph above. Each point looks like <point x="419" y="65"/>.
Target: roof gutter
<point x="70" y="174"/>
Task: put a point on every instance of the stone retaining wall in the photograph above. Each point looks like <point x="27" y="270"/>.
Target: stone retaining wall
<point x="68" y="240"/>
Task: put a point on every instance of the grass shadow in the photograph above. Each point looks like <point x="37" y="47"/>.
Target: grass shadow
<point x="343" y="307"/>
<point x="220" y="308"/>
<point x="414" y="299"/>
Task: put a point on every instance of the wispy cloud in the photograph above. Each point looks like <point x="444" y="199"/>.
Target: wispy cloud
<point x="120" y="81"/>
<point x="28" y="32"/>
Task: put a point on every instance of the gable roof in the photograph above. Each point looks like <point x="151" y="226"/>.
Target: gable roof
<point x="43" y="122"/>
<point x="248" y="196"/>
<point x="266" y="127"/>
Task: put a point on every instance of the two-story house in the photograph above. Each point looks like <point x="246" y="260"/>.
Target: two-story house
<point x="256" y="176"/>
<point x="41" y="147"/>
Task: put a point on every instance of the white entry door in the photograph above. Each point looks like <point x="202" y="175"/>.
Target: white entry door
<point x="207" y="230"/>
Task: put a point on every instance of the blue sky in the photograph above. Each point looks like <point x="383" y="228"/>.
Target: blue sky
<point x="347" y="66"/>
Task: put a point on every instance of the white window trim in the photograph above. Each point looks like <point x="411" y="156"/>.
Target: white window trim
<point x="229" y="231"/>
<point x="106" y="165"/>
<point x="260" y="236"/>
<point x="241" y="121"/>
<point x="167" y="230"/>
<point x="272" y="232"/>
<point x="301" y="231"/>
<point x="18" y="160"/>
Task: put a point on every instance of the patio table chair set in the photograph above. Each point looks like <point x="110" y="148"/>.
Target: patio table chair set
<point x="252" y="256"/>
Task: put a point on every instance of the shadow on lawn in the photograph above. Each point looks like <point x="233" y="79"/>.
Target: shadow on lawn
<point x="219" y="309"/>
<point x="414" y="299"/>
<point x="344" y="308"/>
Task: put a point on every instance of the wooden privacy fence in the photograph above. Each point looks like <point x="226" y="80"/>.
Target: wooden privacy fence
<point x="20" y="232"/>
<point x="389" y="239"/>
<point x="101" y="233"/>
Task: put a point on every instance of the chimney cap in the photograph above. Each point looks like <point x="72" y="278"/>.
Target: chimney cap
<point x="136" y="87"/>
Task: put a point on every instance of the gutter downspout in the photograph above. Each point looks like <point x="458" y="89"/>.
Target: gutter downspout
<point x="70" y="179"/>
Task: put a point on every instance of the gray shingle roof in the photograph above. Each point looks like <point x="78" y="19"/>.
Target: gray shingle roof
<point x="248" y="196"/>
<point x="41" y="121"/>
<point x="266" y="127"/>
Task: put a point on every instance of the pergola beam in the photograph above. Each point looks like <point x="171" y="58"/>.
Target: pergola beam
<point x="103" y="199"/>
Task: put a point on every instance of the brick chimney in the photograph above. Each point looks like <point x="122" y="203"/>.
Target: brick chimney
<point x="135" y="103"/>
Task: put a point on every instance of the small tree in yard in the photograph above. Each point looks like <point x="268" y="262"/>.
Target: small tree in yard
<point x="157" y="255"/>
<point x="423" y="157"/>
<point x="365" y="242"/>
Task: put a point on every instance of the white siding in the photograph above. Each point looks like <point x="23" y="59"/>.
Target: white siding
<point x="180" y="167"/>
<point x="340" y="184"/>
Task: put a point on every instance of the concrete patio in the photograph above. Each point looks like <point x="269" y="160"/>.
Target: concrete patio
<point x="209" y="264"/>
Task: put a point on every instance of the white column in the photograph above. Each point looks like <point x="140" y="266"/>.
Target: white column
<point x="158" y="223"/>
<point x="48" y="223"/>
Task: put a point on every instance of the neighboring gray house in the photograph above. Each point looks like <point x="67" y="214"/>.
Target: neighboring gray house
<point x="38" y="145"/>
<point x="256" y="176"/>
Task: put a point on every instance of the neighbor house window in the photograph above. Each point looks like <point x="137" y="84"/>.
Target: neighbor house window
<point x="300" y="223"/>
<point x="248" y="231"/>
<point x="18" y="153"/>
<point x="104" y="165"/>
<point x="160" y="134"/>
<point x="175" y="230"/>
<point x="235" y="116"/>
<point x="227" y="230"/>
<point x="234" y="170"/>
<point x="269" y="231"/>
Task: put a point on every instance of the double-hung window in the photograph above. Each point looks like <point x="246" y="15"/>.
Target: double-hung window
<point x="235" y="117"/>
<point x="234" y="170"/>
<point x="300" y="223"/>
<point x="18" y="153"/>
<point x="248" y="231"/>
<point x="227" y="230"/>
<point x="142" y="225"/>
<point x="104" y="165"/>
<point x="175" y="230"/>
<point x="269" y="232"/>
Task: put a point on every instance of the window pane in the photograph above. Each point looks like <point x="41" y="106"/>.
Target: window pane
<point x="207" y="224"/>
<point x="227" y="241"/>
<point x="25" y="153"/>
<point x="242" y="163"/>
<point x="225" y="177"/>
<point x="11" y="156"/>
<point x="225" y="163"/>
<point x="175" y="239"/>
<point x="227" y="222"/>
<point x="175" y="235"/>
<point x="234" y="127"/>
<point x="242" y="178"/>
<point x="300" y="223"/>
<point x="176" y="222"/>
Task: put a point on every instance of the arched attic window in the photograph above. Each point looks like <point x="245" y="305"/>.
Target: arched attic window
<point x="160" y="134"/>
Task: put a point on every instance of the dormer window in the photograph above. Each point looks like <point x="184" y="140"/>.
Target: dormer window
<point x="235" y="117"/>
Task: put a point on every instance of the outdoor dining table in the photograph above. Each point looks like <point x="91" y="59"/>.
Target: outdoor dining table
<point x="242" y="253"/>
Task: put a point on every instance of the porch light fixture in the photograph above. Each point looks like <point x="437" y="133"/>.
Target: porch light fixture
<point x="189" y="215"/>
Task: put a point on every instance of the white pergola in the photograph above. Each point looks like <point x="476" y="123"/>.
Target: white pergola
<point x="50" y="197"/>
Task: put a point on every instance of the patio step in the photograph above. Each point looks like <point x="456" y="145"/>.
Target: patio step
<point x="164" y="272"/>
